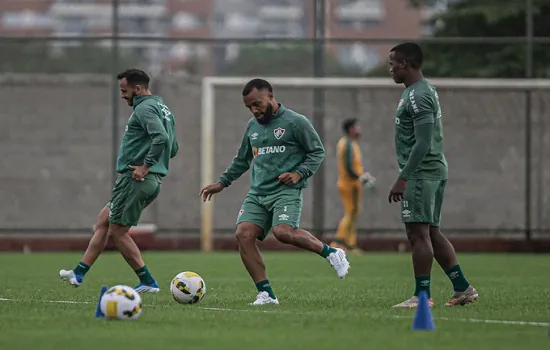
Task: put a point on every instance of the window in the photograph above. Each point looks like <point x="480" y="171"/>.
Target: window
<point x="26" y="19"/>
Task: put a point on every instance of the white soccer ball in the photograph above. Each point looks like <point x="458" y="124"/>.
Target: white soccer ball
<point x="188" y="288"/>
<point x="121" y="303"/>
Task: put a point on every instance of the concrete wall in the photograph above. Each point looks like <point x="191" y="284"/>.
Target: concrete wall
<point x="56" y="160"/>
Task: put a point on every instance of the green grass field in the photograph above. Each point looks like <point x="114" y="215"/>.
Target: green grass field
<point x="317" y="310"/>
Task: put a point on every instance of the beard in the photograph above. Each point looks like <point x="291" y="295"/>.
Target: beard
<point x="131" y="99"/>
<point x="268" y="115"/>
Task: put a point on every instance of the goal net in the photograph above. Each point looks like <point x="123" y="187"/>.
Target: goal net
<point x="491" y="127"/>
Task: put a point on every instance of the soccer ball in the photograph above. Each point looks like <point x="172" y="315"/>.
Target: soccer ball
<point x="121" y="303"/>
<point x="187" y="288"/>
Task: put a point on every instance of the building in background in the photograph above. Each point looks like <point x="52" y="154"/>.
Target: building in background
<point x="218" y="19"/>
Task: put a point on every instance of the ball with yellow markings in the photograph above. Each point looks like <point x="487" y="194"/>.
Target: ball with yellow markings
<point x="121" y="303"/>
<point x="187" y="288"/>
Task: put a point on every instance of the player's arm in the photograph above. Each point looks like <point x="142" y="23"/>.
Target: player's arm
<point x="240" y="164"/>
<point x="151" y="122"/>
<point x="348" y="160"/>
<point x="423" y="111"/>
<point x="175" y="147"/>
<point x="310" y="141"/>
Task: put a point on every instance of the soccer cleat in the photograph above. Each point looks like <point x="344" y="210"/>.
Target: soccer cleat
<point x="339" y="262"/>
<point x="469" y="296"/>
<point x="69" y="276"/>
<point x="147" y="288"/>
<point x="412" y="303"/>
<point x="263" y="298"/>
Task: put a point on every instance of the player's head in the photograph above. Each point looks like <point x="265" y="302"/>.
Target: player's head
<point x="351" y="128"/>
<point x="404" y="59"/>
<point x="258" y="98"/>
<point x="133" y="82"/>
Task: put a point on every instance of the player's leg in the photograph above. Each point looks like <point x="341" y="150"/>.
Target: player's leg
<point x="95" y="248"/>
<point x="345" y="223"/>
<point x="287" y="210"/>
<point x="253" y="224"/>
<point x="344" y="226"/>
<point x="445" y="256"/>
<point x="126" y="208"/>
<point x="356" y="200"/>
<point x="416" y="213"/>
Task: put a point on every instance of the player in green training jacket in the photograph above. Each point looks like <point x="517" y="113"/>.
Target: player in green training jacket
<point x="148" y="144"/>
<point x="285" y="151"/>
<point x="422" y="176"/>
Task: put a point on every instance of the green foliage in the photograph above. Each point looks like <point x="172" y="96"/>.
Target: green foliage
<point x="487" y="18"/>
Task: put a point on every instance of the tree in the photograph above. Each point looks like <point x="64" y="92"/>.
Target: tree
<point x="487" y="18"/>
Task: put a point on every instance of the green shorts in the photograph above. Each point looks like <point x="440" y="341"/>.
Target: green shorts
<point x="422" y="201"/>
<point x="130" y="197"/>
<point x="284" y="207"/>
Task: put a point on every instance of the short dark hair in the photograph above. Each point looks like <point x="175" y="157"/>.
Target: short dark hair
<point x="135" y="77"/>
<point x="411" y="53"/>
<point x="347" y="124"/>
<point x="257" y="83"/>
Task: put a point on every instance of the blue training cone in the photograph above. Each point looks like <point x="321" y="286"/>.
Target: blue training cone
<point x="98" y="313"/>
<point x="423" y="318"/>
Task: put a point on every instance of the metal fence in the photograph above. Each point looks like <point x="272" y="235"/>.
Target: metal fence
<point x="62" y="121"/>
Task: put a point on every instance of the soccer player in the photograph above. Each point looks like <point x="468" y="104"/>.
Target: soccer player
<point x="148" y="144"/>
<point x="422" y="176"/>
<point x="285" y="151"/>
<point x="351" y="179"/>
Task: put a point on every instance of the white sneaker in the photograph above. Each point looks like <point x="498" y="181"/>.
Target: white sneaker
<point x="339" y="262"/>
<point x="263" y="298"/>
<point x="69" y="276"/>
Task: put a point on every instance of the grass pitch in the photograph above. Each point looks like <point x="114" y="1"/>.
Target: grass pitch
<point x="317" y="311"/>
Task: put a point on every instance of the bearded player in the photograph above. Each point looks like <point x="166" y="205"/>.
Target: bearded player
<point x="351" y="181"/>
<point x="285" y="151"/>
<point x="148" y="144"/>
<point x="422" y="177"/>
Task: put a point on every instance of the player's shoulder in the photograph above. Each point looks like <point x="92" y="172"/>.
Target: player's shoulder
<point x="251" y="122"/>
<point x="422" y="88"/>
<point x="148" y="105"/>
<point x="294" y="117"/>
<point x="342" y="143"/>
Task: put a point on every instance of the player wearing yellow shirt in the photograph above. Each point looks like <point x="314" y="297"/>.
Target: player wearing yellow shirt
<point x="351" y="179"/>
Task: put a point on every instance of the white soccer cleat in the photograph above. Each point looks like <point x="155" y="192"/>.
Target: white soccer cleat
<point x="263" y="298"/>
<point x="144" y="288"/>
<point x="69" y="276"/>
<point x="339" y="262"/>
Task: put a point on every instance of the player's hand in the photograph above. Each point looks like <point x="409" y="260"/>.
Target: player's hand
<point x="210" y="190"/>
<point x="367" y="177"/>
<point x="397" y="190"/>
<point x="139" y="172"/>
<point x="289" y="178"/>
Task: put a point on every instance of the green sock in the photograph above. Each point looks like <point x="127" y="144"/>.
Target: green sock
<point x="422" y="284"/>
<point x="264" y="286"/>
<point x="145" y="276"/>
<point x="326" y="250"/>
<point x="81" y="269"/>
<point x="460" y="284"/>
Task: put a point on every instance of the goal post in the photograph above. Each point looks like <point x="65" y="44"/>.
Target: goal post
<point x="208" y="114"/>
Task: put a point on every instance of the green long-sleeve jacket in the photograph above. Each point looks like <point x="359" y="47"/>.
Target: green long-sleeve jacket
<point x="149" y="137"/>
<point x="288" y="143"/>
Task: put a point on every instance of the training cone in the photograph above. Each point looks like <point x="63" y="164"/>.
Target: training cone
<point x="98" y="313"/>
<point x="423" y="320"/>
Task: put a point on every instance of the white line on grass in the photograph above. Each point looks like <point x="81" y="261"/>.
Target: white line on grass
<point x="468" y="320"/>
